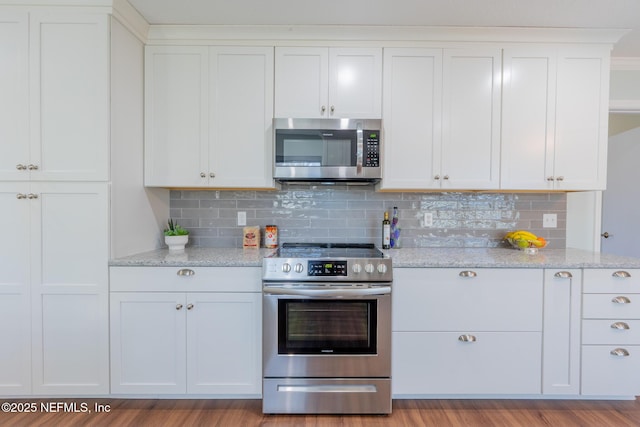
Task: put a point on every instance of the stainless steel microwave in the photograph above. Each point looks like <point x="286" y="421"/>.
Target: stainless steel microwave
<point x="327" y="150"/>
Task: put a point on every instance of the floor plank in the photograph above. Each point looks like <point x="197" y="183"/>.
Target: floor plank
<point x="248" y="413"/>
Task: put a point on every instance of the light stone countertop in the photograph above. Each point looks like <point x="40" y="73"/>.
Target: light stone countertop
<point x="405" y="257"/>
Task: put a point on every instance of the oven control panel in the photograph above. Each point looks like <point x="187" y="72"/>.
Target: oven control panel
<point x="327" y="268"/>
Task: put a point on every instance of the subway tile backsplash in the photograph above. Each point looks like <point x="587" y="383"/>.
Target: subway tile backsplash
<point x="310" y="213"/>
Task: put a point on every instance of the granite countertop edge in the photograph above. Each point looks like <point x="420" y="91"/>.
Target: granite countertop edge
<point x="402" y="258"/>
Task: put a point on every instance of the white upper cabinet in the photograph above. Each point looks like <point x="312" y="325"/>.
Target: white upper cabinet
<point x="412" y="117"/>
<point x="176" y="132"/>
<point x="441" y="118"/>
<point x="208" y="116"/>
<point x="14" y="102"/>
<point x="319" y="82"/>
<point x="554" y="118"/>
<point x="54" y="110"/>
<point x="471" y="119"/>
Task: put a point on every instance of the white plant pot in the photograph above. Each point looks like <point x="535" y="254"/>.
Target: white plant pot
<point x="176" y="243"/>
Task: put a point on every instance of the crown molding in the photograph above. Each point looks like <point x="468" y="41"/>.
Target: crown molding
<point x="348" y="33"/>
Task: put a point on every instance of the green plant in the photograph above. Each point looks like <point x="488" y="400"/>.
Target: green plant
<point x="174" y="229"/>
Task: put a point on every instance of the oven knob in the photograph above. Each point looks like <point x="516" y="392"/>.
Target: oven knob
<point x="286" y="267"/>
<point x="357" y="268"/>
<point x="298" y="268"/>
<point x="382" y="268"/>
<point x="369" y="268"/>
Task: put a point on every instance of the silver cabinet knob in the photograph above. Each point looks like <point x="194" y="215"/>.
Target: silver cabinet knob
<point x="437" y="177"/>
<point x="21" y="167"/>
<point x="21" y="196"/>
<point x="203" y="175"/>
<point x="550" y="178"/>
<point x="606" y="235"/>
<point x="467" y="338"/>
<point x="563" y="275"/>
<point x="179" y="307"/>
<point x="445" y="177"/>
<point x="620" y="325"/>
<point x="621" y="274"/>
<point x="212" y="175"/>
<point x="621" y="300"/>
<point x="323" y="109"/>
<point x="186" y="272"/>
<point x="468" y="273"/>
<point x="189" y="306"/>
<point x="333" y="109"/>
<point x="560" y="178"/>
<point x="620" y="352"/>
<point x="32" y="196"/>
<point x="32" y="167"/>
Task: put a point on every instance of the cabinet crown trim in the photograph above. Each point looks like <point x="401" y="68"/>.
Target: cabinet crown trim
<point x="276" y="34"/>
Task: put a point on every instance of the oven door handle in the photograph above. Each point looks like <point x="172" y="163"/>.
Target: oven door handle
<point x="383" y="290"/>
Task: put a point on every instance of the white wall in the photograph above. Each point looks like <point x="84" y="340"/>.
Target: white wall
<point x="137" y="214"/>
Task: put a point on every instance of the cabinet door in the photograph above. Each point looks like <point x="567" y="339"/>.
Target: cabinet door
<point x="561" y="338"/>
<point x="355" y="83"/>
<point x="15" y="312"/>
<point x="69" y="253"/>
<point x="148" y="353"/>
<point x="301" y="82"/>
<point x="528" y="118"/>
<point x="69" y="96"/>
<point x="412" y="117"/>
<point x="471" y="119"/>
<point x="14" y="87"/>
<point x="176" y="115"/>
<point x="582" y="119"/>
<point x="241" y="115"/>
<point x="224" y="351"/>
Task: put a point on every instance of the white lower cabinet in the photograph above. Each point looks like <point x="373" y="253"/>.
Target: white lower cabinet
<point x="186" y="342"/>
<point x="611" y="332"/>
<point x="54" y="289"/>
<point x="561" y="336"/>
<point x="467" y="331"/>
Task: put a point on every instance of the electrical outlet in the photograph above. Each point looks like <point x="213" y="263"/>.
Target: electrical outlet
<point x="428" y="219"/>
<point x="549" y="220"/>
<point x="242" y="218"/>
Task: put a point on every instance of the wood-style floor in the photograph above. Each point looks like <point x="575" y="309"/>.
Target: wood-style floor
<point x="247" y="413"/>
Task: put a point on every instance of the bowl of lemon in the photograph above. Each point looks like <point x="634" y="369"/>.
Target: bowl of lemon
<point x="525" y="241"/>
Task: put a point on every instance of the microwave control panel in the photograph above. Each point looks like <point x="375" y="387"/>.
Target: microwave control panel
<point x="372" y="149"/>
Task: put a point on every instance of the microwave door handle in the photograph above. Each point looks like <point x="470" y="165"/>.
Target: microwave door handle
<point x="359" y="148"/>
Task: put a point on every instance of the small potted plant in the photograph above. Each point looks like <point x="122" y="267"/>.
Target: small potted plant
<point x="175" y="236"/>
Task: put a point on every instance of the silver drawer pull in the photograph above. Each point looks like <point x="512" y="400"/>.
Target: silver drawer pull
<point x="563" y="275"/>
<point x="468" y="273"/>
<point x="621" y="274"/>
<point x="621" y="300"/>
<point x="186" y="272"/>
<point x="620" y="325"/>
<point x="620" y="352"/>
<point x="467" y="338"/>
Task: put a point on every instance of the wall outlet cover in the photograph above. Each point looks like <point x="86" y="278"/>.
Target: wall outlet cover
<point x="549" y="221"/>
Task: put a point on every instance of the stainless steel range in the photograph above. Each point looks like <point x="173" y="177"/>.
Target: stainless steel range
<point x="327" y="329"/>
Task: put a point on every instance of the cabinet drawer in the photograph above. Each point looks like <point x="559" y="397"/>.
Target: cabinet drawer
<point x="626" y="280"/>
<point x="440" y="300"/>
<point x="185" y="279"/>
<point x="611" y="332"/>
<point x="604" y="306"/>
<point x="439" y="363"/>
<point x="606" y="374"/>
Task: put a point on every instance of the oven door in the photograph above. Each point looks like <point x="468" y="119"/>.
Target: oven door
<point x="326" y="333"/>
